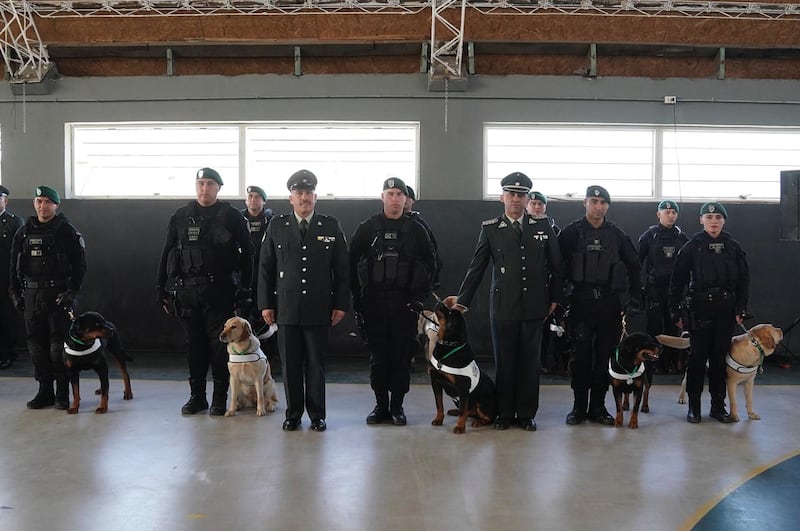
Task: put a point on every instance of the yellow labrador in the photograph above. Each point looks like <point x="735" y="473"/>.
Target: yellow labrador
<point x="747" y="354"/>
<point x="251" y="380"/>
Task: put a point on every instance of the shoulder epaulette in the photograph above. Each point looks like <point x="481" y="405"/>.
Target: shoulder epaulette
<point x="490" y="221"/>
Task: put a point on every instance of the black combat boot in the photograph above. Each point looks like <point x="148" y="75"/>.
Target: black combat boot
<point x="597" y="408"/>
<point x="62" y="392"/>
<point x="693" y="416"/>
<point x="396" y="410"/>
<point x="718" y="410"/>
<point x="380" y="413"/>
<point x="197" y="401"/>
<point x="578" y="413"/>
<point x="45" y="397"/>
<point x="219" y="400"/>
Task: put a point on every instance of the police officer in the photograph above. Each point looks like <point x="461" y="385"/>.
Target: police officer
<point x="658" y="247"/>
<point x="526" y="288"/>
<point x="258" y="217"/>
<point x="593" y="249"/>
<point x="537" y="209"/>
<point x="48" y="264"/>
<point x="9" y="224"/>
<point x="204" y="274"/>
<point x="391" y="266"/>
<point x="305" y="289"/>
<point x="713" y="266"/>
<point x="408" y="210"/>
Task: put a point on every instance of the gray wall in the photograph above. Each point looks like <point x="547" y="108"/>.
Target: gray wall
<point x="124" y="236"/>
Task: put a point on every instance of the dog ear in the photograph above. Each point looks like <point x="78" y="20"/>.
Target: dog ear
<point x="248" y="330"/>
<point x="764" y="336"/>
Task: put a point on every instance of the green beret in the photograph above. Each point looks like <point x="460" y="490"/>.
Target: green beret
<point x="257" y="189"/>
<point x="302" y="180"/>
<point x="49" y="193"/>
<point x="598" y="191"/>
<point x="516" y="182"/>
<point x="394" y="182"/>
<point x="539" y="196"/>
<point x="4" y="190"/>
<point x="411" y="193"/>
<point x="666" y="204"/>
<point x="712" y="207"/>
<point x="209" y="173"/>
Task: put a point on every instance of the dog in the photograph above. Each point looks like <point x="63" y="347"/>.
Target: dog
<point x="89" y="337"/>
<point x="251" y="380"/>
<point x="453" y="370"/>
<point x="627" y="370"/>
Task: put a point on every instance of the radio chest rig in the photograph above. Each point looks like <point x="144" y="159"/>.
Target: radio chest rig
<point x="205" y="245"/>
<point x="391" y="263"/>
<point x="715" y="265"/>
<point x="595" y="256"/>
<point x="663" y="248"/>
<point x="41" y="258"/>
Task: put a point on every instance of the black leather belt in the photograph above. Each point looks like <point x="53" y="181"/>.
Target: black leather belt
<point x="592" y="293"/>
<point x="40" y="284"/>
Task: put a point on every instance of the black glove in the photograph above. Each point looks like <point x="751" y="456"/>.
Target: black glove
<point x="67" y="299"/>
<point x="244" y="302"/>
<point x="161" y="295"/>
<point x="18" y="300"/>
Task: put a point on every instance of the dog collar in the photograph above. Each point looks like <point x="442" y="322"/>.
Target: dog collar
<point x="471" y="371"/>
<point x="757" y="345"/>
<point x="72" y="352"/>
<point x="243" y="358"/>
<point x="628" y="377"/>
<point x="738" y="367"/>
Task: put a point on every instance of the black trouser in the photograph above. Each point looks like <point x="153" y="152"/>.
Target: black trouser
<point x="207" y="306"/>
<point x="46" y="326"/>
<point x="595" y="326"/>
<point x="303" y="350"/>
<point x="391" y="326"/>
<point x="711" y="330"/>
<point x="659" y="321"/>
<point x="517" y="360"/>
<point x="8" y="328"/>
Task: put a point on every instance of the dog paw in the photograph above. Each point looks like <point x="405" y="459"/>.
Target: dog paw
<point x="681" y="400"/>
<point x="271" y="407"/>
<point x="260" y="412"/>
<point x="230" y="413"/>
<point x="459" y="429"/>
<point x="754" y="416"/>
<point x="101" y="410"/>
<point x="72" y="411"/>
<point x="645" y="409"/>
<point x="633" y="426"/>
<point x="438" y="421"/>
<point x="127" y="396"/>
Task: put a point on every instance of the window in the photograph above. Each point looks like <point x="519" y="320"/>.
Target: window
<point x="643" y="162"/>
<point x="160" y="159"/>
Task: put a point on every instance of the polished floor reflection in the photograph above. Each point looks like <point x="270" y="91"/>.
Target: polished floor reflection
<point x="144" y="466"/>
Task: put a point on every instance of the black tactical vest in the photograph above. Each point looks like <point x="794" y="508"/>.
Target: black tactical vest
<point x="595" y="256"/>
<point x="715" y="265"/>
<point x="664" y="246"/>
<point x="41" y="257"/>
<point x="391" y="262"/>
<point x="205" y="245"/>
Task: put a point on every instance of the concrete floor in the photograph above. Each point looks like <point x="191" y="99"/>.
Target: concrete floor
<point x="144" y="466"/>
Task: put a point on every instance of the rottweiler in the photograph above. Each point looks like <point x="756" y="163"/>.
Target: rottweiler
<point x="90" y="336"/>
<point x="453" y="370"/>
<point x="627" y="370"/>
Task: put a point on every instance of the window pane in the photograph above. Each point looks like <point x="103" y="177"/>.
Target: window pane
<point x="564" y="161"/>
<point x="350" y="160"/>
<point x="734" y="163"/>
<point x="145" y="161"/>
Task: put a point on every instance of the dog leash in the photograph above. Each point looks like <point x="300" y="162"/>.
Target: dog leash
<point x="757" y="345"/>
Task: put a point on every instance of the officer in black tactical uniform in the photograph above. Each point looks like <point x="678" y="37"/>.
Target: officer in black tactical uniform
<point x="9" y="224"/>
<point x="305" y="289"/>
<point x="714" y="268"/>
<point x="526" y="288"/>
<point x="206" y="253"/>
<point x="408" y="210"/>
<point x="48" y="264"/>
<point x="593" y="249"/>
<point x="258" y="217"/>
<point x="391" y="266"/>
<point x="658" y="247"/>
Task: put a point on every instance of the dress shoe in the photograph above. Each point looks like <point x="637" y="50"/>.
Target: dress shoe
<point x="601" y="416"/>
<point x="721" y="415"/>
<point x="379" y="415"/>
<point x="6" y="364"/>
<point x="196" y="404"/>
<point x="693" y="417"/>
<point x="527" y="424"/>
<point x="291" y="424"/>
<point x="502" y="424"/>
<point x="575" y="417"/>
<point x="399" y="417"/>
<point x="318" y="425"/>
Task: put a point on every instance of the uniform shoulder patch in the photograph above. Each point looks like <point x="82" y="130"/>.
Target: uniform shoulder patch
<point x="490" y="221"/>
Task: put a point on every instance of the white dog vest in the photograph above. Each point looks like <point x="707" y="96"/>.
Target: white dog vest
<point x="252" y="353"/>
<point x="738" y="367"/>
<point x="92" y="349"/>
<point x="627" y="377"/>
<point x="471" y="371"/>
